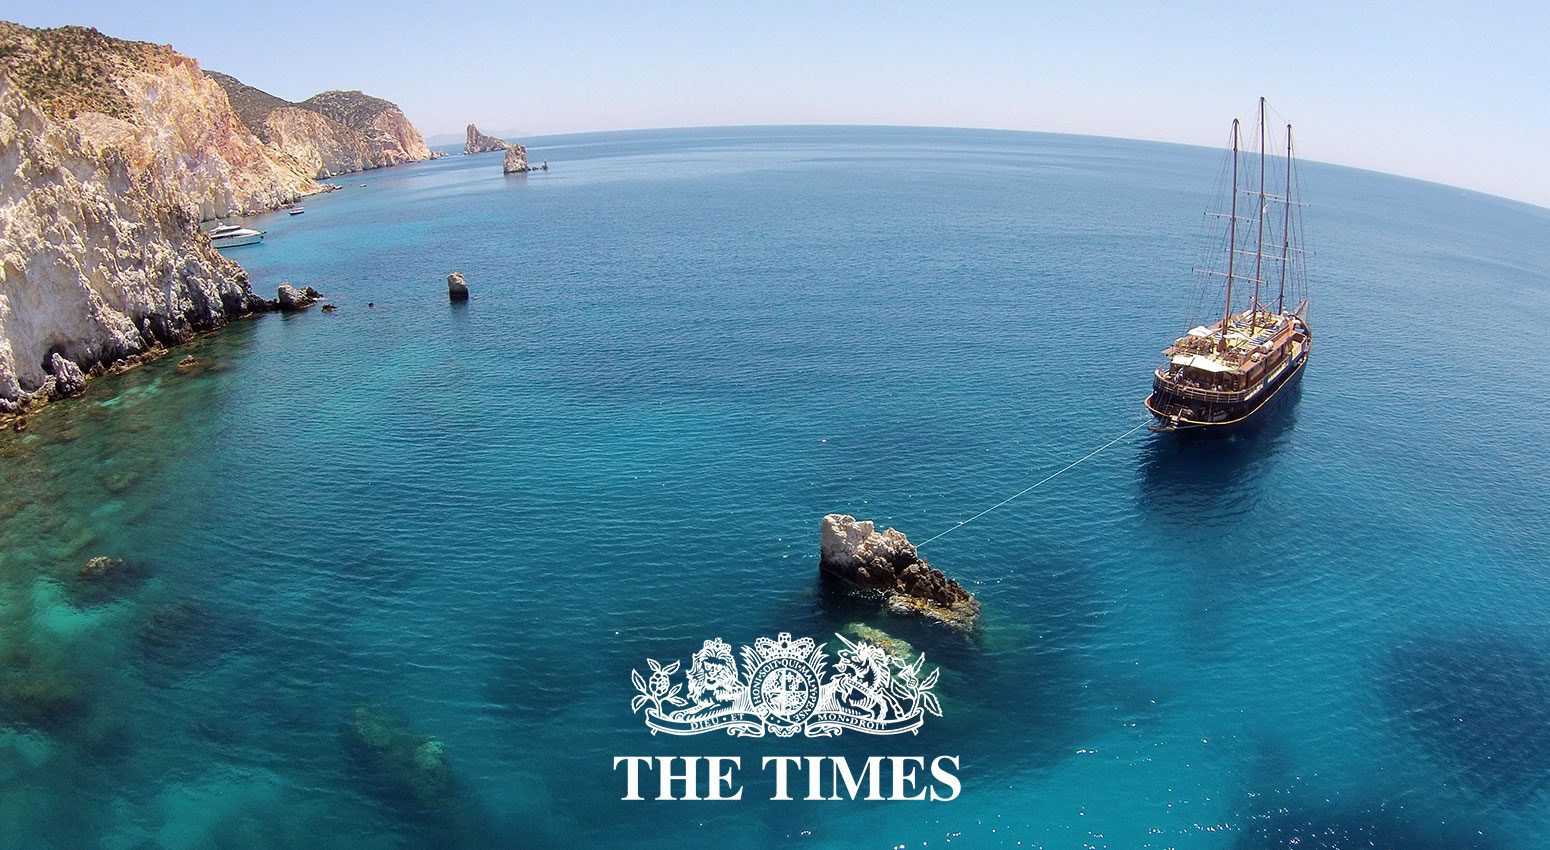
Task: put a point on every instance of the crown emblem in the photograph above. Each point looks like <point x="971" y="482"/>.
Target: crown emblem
<point x="786" y="687"/>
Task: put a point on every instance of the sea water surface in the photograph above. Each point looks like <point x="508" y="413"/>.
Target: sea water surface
<point x="469" y="523"/>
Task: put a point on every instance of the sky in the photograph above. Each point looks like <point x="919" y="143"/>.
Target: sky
<point x="1454" y="93"/>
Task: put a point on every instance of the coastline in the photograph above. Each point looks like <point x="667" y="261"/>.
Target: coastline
<point x="698" y="405"/>
<point x="17" y="421"/>
<point x="121" y="150"/>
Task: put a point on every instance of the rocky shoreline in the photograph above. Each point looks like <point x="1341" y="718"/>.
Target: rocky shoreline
<point x="115" y="150"/>
<point x="67" y="379"/>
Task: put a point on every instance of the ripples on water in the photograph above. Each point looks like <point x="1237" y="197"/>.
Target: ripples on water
<point x="469" y="523"/>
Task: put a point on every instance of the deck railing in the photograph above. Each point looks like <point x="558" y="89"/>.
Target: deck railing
<point x="1200" y="393"/>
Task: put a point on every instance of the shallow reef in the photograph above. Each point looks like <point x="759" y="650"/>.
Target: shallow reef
<point x="399" y="761"/>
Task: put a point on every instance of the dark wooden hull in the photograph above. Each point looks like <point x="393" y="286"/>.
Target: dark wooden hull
<point x="1175" y="412"/>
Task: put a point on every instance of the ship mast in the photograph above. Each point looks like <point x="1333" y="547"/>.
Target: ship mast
<point x="1232" y="238"/>
<point x="1286" y="225"/>
<point x="1259" y="241"/>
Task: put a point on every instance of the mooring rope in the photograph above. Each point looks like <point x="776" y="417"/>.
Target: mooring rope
<point x="1031" y="487"/>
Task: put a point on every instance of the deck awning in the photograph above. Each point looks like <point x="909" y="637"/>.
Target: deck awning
<point x="1205" y="364"/>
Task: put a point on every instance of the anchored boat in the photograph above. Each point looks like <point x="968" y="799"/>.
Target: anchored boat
<point x="231" y="235"/>
<point x="1222" y="374"/>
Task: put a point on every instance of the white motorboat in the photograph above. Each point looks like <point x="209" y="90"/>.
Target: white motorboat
<point x="231" y="235"/>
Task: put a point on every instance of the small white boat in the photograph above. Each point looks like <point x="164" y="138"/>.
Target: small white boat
<point x="231" y="235"/>
<point x="296" y="210"/>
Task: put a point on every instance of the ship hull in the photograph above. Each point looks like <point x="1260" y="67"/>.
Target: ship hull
<point x="1177" y="413"/>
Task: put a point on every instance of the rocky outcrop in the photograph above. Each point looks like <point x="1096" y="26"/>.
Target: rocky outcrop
<point x="516" y="160"/>
<point x="387" y="132"/>
<point x="323" y="144"/>
<point x="886" y="561"/>
<point x="101" y="263"/>
<point x="480" y="143"/>
<point x="68" y="378"/>
<point x="155" y="107"/>
<point x="457" y="287"/>
<point x="516" y="155"/>
<point x="290" y="300"/>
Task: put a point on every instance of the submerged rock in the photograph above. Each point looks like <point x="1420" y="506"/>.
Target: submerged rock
<point x="457" y="287"/>
<point x="516" y="160"/>
<point x="886" y="561"/>
<point x="190" y="364"/>
<point x="897" y="649"/>
<point x="119" y="482"/>
<point x="399" y="758"/>
<point x="102" y="579"/>
<point x="40" y="698"/>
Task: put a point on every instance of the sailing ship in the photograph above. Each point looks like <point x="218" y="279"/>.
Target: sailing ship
<point x="1222" y="374"/>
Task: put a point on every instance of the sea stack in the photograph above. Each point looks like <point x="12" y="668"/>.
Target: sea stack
<point x="478" y="142"/>
<point x="516" y="160"/>
<point x="457" y="287"/>
<point x="886" y="561"/>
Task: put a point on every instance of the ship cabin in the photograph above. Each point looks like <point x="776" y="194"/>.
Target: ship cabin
<point x="1206" y="366"/>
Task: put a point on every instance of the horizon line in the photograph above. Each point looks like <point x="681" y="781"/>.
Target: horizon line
<point x="1534" y="205"/>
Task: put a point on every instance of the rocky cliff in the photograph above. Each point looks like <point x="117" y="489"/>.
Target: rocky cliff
<point x="480" y="143"/>
<point x="383" y="124"/>
<point x="157" y="109"/>
<point x="101" y="261"/>
<point x="319" y="141"/>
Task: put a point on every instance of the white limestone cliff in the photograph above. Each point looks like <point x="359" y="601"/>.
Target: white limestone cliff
<point x="100" y="262"/>
<point x="158" y="109"/>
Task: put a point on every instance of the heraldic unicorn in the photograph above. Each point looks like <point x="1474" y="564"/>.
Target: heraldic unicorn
<point x="785" y="687"/>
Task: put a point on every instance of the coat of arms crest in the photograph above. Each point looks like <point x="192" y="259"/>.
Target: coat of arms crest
<point x="785" y="687"/>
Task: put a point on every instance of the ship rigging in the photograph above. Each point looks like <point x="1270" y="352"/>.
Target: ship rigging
<point x="1222" y="374"/>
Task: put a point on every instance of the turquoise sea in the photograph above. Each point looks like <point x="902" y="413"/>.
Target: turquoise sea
<point x="469" y="523"/>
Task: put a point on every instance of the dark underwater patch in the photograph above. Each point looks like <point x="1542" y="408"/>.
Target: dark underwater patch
<point x="1481" y="706"/>
<point x="1318" y="826"/>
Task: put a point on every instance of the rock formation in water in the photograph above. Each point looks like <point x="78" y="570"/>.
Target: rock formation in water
<point x="457" y="287"/>
<point x="480" y="143"/>
<point x="101" y="262"/>
<point x="516" y="155"/>
<point x="887" y="561"/>
<point x="289" y="300"/>
<point x="516" y="160"/>
<point x="392" y="139"/>
<point x="326" y="145"/>
<point x="155" y="107"/>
